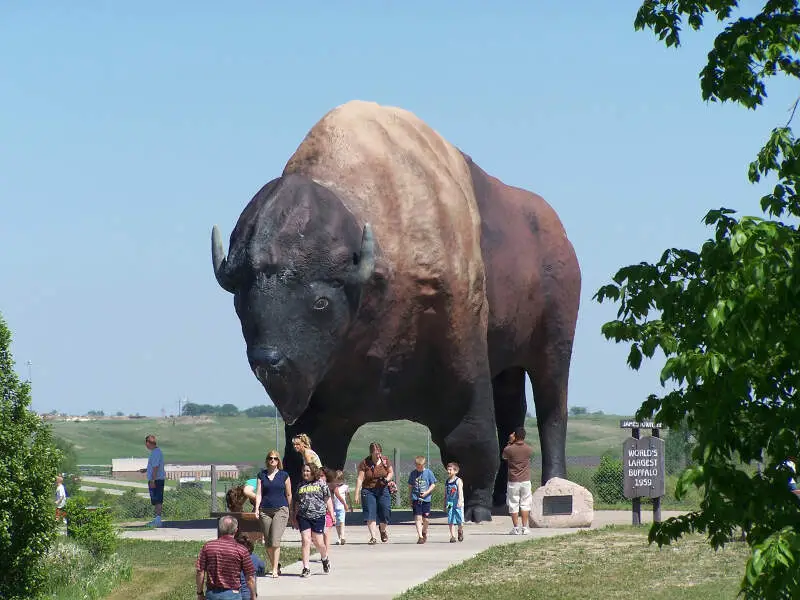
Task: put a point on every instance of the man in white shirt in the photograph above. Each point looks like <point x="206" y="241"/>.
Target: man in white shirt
<point x="61" y="499"/>
<point x="155" y="477"/>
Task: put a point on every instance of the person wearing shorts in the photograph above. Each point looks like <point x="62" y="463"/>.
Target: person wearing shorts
<point x="312" y="504"/>
<point x="273" y="498"/>
<point x="517" y="455"/>
<point x="155" y="477"/>
<point x="421" y="482"/>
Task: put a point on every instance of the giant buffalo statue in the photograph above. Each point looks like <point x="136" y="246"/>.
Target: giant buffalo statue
<point x="384" y="275"/>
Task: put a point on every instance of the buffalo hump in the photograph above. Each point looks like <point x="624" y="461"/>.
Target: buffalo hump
<point x="394" y="171"/>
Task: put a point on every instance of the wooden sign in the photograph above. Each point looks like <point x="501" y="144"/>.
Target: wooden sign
<point x="643" y="467"/>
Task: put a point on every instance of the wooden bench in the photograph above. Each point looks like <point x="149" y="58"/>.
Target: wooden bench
<point x="248" y="524"/>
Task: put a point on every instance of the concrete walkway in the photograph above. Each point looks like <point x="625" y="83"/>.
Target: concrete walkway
<point x="392" y="567"/>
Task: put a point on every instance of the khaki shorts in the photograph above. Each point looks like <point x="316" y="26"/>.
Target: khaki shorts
<point x="519" y="496"/>
<point x="273" y="524"/>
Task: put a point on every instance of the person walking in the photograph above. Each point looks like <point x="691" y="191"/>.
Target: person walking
<point x="220" y="563"/>
<point x="302" y="444"/>
<point x="342" y="503"/>
<point x="517" y="455"/>
<point x="61" y="500"/>
<point x="312" y="504"/>
<point x="375" y="475"/>
<point x="454" y="501"/>
<point x="155" y="477"/>
<point x="273" y="499"/>
<point x="421" y="483"/>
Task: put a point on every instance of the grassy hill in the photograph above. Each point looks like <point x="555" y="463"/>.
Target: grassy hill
<point x="240" y="440"/>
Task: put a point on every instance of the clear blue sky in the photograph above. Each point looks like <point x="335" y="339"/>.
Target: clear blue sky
<point x="130" y="129"/>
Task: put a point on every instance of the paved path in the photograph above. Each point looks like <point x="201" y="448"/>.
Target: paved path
<point x="393" y="567"/>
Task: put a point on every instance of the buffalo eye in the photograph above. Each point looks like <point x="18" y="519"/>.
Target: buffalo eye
<point x="321" y="303"/>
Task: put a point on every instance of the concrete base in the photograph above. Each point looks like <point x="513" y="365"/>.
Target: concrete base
<point x="559" y="495"/>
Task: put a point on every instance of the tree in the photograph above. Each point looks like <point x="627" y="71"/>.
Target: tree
<point x="726" y="316"/>
<point x="578" y="410"/>
<point x="28" y="461"/>
<point x="262" y="410"/>
<point x="228" y="410"/>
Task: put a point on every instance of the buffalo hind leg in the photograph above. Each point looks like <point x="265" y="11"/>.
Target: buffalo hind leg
<point x="549" y="378"/>
<point x="472" y="443"/>
<point x="510" y="408"/>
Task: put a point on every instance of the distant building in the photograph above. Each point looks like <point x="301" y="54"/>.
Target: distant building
<point x="128" y="468"/>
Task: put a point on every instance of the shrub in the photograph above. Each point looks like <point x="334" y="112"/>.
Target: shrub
<point x="28" y="461"/>
<point x="92" y="529"/>
<point x="72" y="572"/>
<point x="607" y="480"/>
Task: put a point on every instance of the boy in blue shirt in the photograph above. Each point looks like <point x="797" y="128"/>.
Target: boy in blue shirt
<point x="421" y="482"/>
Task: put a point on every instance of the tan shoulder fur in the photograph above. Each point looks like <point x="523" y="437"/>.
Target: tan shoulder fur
<point x="415" y="188"/>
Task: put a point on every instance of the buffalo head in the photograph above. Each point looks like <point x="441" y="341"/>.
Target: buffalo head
<point x="297" y="263"/>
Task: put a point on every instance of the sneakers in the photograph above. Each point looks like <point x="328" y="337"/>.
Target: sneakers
<point x="524" y="531"/>
<point x="342" y="541"/>
<point x="306" y="572"/>
<point x="515" y="531"/>
<point x="156" y="522"/>
<point x="326" y="565"/>
<point x="452" y="540"/>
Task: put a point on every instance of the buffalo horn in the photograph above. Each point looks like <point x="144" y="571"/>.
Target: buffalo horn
<point x="219" y="261"/>
<point x="366" y="261"/>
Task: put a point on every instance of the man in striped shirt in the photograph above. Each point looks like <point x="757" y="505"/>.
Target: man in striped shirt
<point x="223" y="559"/>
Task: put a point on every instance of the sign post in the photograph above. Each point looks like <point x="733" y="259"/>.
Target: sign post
<point x="643" y="467"/>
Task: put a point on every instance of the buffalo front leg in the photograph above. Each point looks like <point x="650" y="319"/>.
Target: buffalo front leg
<point x="330" y="437"/>
<point x="472" y="443"/>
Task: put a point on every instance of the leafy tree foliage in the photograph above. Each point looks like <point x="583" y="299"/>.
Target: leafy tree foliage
<point x="28" y="461"/>
<point x="191" y="409"/>
<point x="262" y="410"/>
<point x="727" y="316"/>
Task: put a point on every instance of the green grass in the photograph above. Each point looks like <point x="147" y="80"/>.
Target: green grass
<point x="244" y="440"/>
<point x="165" y="570"/>
<point x="615" y="562"/>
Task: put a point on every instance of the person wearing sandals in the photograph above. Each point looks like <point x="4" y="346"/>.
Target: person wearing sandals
<point x="273" y="499"/>
<point x="302" y="444"/>
<point x="454" y="501"/>
<point x="312" y="504"/>
<point x="375" y="474"/>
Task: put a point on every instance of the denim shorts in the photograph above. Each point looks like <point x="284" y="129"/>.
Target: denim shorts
<point x="317" y="525"/>
<point x="157" y="492"/>
<point x="377" y="504"/>
<point x="340" y="515"/>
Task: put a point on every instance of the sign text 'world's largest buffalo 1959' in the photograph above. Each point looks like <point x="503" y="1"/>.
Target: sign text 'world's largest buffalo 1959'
<point x="643" y="467"/>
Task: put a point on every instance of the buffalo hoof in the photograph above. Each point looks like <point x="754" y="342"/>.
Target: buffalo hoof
<point x="477" y="514"/>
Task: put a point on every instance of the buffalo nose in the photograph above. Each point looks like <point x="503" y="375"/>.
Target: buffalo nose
<point x="267" y="357"/>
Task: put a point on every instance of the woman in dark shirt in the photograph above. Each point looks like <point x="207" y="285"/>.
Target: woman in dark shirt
<point x="273" y="498"/>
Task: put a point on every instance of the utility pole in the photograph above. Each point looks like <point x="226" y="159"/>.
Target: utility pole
<point x="30" y="372"/>
<point x="277" y="435"/>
